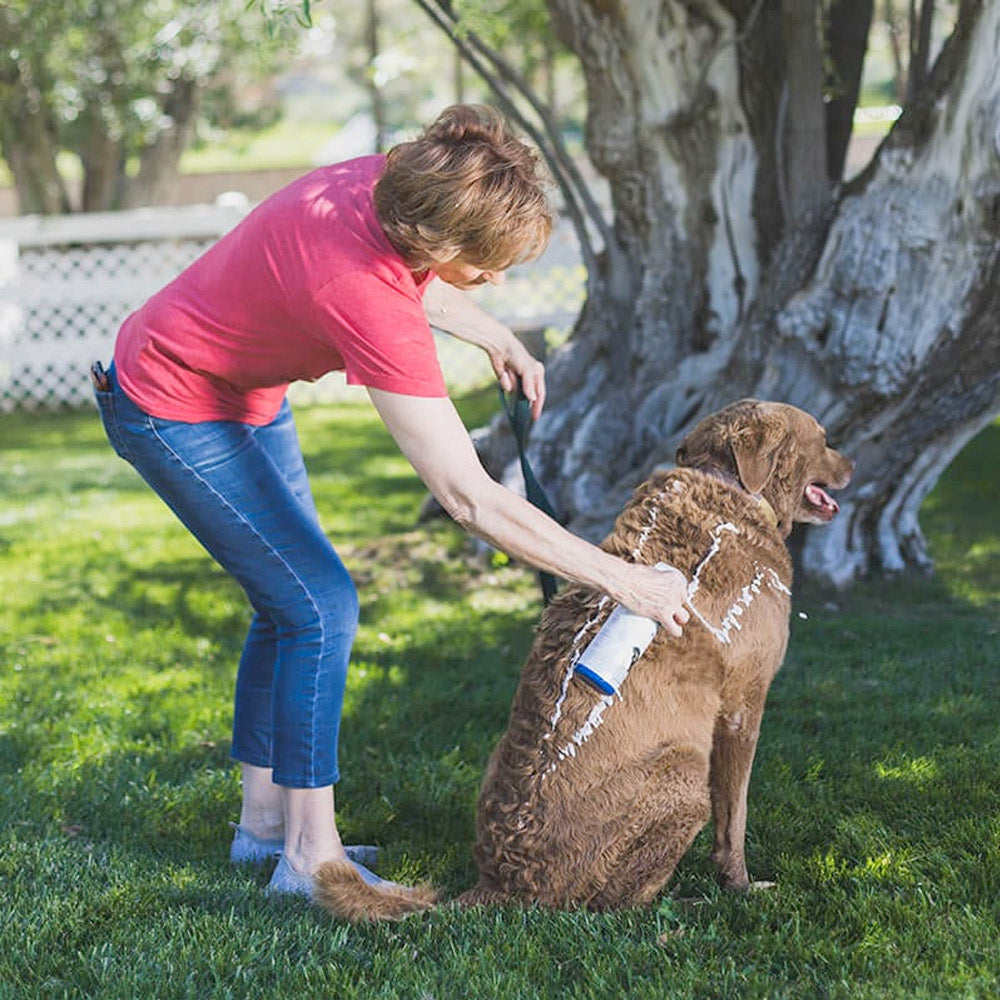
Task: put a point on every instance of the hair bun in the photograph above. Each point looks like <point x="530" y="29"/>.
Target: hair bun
<point x="467" y="122"/>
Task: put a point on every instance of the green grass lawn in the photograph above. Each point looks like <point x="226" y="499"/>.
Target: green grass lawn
<point x="875" y="803"/>
<point x="290" y="142"/>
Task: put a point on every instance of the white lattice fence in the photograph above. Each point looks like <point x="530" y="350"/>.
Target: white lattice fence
<point x="67" y="283"/>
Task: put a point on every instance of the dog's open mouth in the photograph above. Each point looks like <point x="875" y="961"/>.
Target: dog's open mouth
<point x="820" y="502"/>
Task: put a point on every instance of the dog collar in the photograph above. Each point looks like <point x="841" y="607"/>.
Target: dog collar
<point x="727" y="477"/>
<point x="768" y="511"/>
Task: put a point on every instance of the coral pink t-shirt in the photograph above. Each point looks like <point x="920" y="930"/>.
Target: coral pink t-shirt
<point x="304" y="285"/>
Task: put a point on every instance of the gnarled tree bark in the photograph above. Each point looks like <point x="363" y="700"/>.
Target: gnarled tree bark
<point x="735" y="269"/>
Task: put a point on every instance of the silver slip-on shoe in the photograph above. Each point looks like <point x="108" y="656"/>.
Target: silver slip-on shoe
<point x="286" y="881"/>
<point x="249" y="849"/>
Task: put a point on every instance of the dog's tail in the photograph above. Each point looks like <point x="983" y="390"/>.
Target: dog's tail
<point x="340" y="889"/>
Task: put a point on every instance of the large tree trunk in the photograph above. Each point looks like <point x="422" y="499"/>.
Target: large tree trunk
<point x="28" y="132"/>
<point x="735" y="271"/>
<point x="102" y="156"/>
<point x="159" y="161"/>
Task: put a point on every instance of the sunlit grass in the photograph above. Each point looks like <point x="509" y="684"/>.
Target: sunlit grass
<point x="875" y="803"/>
<point x="962" y="519"/>
<point x="290" y="142"/>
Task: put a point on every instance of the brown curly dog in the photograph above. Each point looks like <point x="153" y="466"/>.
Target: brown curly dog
<point x="590" y="800"/>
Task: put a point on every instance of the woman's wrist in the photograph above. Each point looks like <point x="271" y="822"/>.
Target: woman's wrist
<point x="609" y="574"/>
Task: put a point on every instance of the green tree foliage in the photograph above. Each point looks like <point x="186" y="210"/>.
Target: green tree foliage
<point x="119" y="83"/>
<point x="520" y="32"/>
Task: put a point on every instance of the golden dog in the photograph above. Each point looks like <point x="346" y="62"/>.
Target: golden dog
<point x="590" y="800"/>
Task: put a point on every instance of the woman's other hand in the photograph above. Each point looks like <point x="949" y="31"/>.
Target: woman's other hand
<point x="512" y="363"/>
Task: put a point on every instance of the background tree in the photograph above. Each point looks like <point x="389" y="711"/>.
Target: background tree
<point x="389" y="48"/>
<point x="29" y="120"/>
<point x="115" y="82"/>
<point x="372" y="31"/>
<point x="737" y="262"/>
<point x="520" y="31"/>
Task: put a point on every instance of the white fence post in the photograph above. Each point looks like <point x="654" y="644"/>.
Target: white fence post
<point x="11" y="313"/>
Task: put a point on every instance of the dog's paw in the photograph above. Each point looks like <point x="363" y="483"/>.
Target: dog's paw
<point x="734" y="882"/>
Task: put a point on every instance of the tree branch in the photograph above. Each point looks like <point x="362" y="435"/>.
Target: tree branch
<point x="848" y="22"/>
<point x="508" y="84"/>
<point x="920" y="46"/>
<point x="804" y="140"/>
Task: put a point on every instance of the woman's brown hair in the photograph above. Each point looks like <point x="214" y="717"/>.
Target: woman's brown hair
<point x="468" y="187"/>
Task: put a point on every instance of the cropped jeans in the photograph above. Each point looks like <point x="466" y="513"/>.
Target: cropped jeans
<point x="242" y="491"/>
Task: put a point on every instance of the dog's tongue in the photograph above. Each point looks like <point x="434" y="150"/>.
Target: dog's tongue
<point x="819" y="498"/>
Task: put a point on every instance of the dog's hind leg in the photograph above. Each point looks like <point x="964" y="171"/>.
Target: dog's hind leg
<point x="677" y="805"/>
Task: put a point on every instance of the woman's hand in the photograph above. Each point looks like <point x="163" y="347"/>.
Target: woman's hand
<point x="450" y="309"/>
<point x="512" y="363"/>
<point x="659" y="594"/>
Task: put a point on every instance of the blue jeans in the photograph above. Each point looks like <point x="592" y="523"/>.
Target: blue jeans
<point x="242" y="491"/>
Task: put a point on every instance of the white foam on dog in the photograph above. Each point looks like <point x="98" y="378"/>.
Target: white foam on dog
<point x="596" y="713"/>
<point x="695" y="581"/>
<point x="731" y="619"/>
<point x="584" y="733"/>
<point x="648" y="530"/>
<point x="722" y="632"/>
<point x="574" y="654"/>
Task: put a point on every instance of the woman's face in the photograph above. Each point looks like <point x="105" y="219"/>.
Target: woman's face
<point x="463" y="275"/>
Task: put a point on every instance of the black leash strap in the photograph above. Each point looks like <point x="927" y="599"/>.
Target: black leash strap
<point x="519" y="415"/>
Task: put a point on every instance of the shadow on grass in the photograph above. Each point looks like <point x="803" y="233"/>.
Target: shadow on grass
<point x="872" y="752"/>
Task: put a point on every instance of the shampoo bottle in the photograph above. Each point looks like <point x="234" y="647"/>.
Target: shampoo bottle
<point x="622" y="639"/>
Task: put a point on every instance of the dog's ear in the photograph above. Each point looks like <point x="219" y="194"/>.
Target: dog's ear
<point x="756" y="445"/>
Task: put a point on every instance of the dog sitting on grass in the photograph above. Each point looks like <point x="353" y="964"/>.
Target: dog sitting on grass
<point x="591" y="799"/>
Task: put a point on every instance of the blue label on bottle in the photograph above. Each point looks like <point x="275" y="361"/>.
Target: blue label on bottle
<point x="595" y="680"/>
